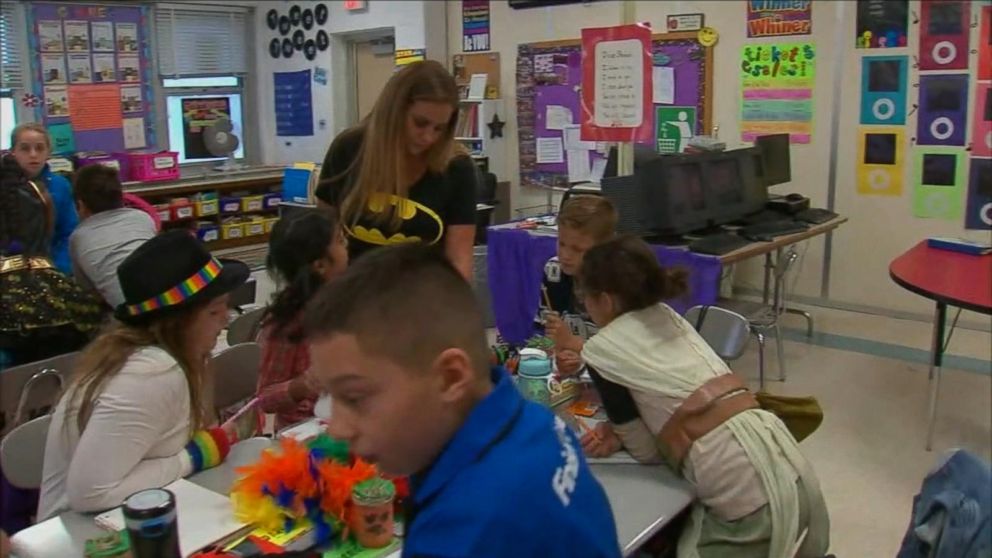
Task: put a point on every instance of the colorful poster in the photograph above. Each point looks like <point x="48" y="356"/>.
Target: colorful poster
<point x="616" y="78"/>
<point x="771" y="18"/>
<point x="939" y="175"/>
<point x="943" y="109"/>
<point x="50" y="35"/>
<point x="102" y="33"/>
<point x="126" y="35"/>
<point x="883" y="89"/>
<point x="77" y="36"/>
<point x="777" y="90"/>
<point x="131" y="98"/>
<point x="882" y="23"/>
<point x="674" y="126"/>
<point x="475" y="25"/>
<point x="103" y="68"/>
<point x="198" y="113"/>
<point x="63" y="142"/>
<point x="978" y="214"/>
<point x="95" y="107"/>
<point x="944" y="29"/>
<point x="80" y="70"/>
<point x="128" y="68"/>
<point x="409" y="56"/>
<point x="880" y="164"/>
<point x="985" y="44"/>
<point x="53" y="69"/>
<point x="56" y="102"/>
<point x="293" y="103"/>
<point x="981" y="132"/>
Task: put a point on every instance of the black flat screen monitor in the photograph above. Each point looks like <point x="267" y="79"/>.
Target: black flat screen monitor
<point x="776" y="166"/>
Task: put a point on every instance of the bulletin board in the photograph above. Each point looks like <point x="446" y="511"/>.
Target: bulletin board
<point x="92" y="70"/>
<point x="550" y="74"/>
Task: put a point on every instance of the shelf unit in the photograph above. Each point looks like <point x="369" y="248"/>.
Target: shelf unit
<point x="472" y="131"/>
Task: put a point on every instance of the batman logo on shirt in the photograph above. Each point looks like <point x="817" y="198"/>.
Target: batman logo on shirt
<point x="418" y="223"/>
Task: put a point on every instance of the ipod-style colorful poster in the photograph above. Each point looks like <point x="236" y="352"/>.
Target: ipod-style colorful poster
<point x="945" y="26"/>
<point x="978" y="213"/>
<point x="883" y="89"/>
<point x="939" y="175"/>
<point x="880" y="166"/>
<point x="981" y="131"/>
<point x="985" y="45"/>
<point x="943" y="111"/>
<point x="882" y="24"/>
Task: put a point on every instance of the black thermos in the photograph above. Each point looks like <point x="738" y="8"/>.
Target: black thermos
<point x="150" y="516"/>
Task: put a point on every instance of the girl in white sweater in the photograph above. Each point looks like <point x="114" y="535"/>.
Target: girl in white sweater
<point x="133" y="416"/>
<point x="756" y="492"/>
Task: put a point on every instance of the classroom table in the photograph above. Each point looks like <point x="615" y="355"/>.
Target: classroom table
<point x="949" y="279"/>
<point x="644" y="499"/>
<point x="516" y="260"/>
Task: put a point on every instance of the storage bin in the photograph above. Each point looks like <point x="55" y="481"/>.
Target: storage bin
<point x="181" y="208"/>
<point x="232" y="230"/>
<point x="164" y="211"/>
<point x="252" y="203"/>
<point x="205" y="208"/>
<point x="207" y="231"/>
<point x="153" y="167"/>
<point x="230" y="204"/>
<point x="255" y="227"/>
<point x="270" y="223"/>
<point x="272" y="200"/>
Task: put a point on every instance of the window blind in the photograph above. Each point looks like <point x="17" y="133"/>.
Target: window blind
<point x="12" y="57"/>
<point x="195" y="42"/>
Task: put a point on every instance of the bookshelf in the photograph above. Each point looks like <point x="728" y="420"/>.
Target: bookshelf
<point x="473" y="132"/>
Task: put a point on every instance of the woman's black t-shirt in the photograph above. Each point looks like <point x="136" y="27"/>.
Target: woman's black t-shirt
<point x="434" y="202"/>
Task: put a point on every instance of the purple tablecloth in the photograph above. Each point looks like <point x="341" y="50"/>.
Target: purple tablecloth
<point x="515" y="262"/>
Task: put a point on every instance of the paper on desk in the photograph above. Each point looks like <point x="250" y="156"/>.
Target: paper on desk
<point x="477" y="86"/>
<point x="549" y="150"/>
<point x="557" y="117"/>
<point x="578" y="165"/>
<point x="663" y="84"/>
<point x="598" y="170"/>
<point x="573" y="138"/>
<point x="619" y="458"/>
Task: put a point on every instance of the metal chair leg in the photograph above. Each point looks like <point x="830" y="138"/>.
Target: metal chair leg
<point x="780" y="348"/>
<point x="805" y="314"/>
<point x="761" y="359"/>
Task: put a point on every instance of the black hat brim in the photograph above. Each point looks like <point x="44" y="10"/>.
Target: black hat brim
<point x="232" y="275"/>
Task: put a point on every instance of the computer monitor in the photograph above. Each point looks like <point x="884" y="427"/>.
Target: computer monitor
<point x="775" y="165"/>
<point x="642" y="154"/>
<point x="733" y="187"/>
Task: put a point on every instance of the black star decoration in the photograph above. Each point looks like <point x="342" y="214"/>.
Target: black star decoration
<point x="496" y="127"/>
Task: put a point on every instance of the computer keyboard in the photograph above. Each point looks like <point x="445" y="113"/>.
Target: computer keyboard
<point x="718" y="244"/>
<point x="763" y="216"/>
<point x="816" y="215"/>
<point x="768" y="231"/>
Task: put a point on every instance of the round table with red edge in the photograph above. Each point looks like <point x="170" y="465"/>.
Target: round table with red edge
<point x="950" y="279"/>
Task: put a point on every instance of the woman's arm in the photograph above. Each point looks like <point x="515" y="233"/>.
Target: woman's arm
<point x="458" y="242"/>
<point x="339" y="158"/>
<point x="462" y="176"/>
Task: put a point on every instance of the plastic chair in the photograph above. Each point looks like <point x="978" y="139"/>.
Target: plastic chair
<point x="234" y="375"/>
<point x="726" y="332"/>
<point x="244" y="295"/>
<point x="30" y="390"/>
<point x="764" y="318"/>
<point x="22" y="453"/>
<point x="245" y="328"/>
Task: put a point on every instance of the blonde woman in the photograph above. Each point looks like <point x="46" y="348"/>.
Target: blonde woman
<point x="132" y="417"/>
<point x="399" y="176"/>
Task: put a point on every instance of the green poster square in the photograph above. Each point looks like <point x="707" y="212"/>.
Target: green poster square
<point x="673" y="128"/>
<point x="939" y="182"/>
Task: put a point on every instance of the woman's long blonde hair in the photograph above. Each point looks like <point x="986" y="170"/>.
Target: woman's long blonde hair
<point x="106" y="355"/>
<point x="381" y="157"/>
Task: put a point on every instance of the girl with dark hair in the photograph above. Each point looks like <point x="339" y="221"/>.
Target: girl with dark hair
<point x="756" y="491"/>
<point x="305" y="252"/>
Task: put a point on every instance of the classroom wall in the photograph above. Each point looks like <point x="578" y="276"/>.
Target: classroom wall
<point x="879" y="228"/>
<point x="405" y="20"/>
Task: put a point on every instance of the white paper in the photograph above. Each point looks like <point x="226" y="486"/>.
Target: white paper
<point x="80" y="70"/>
<point x="131" y="98"/>
<point x="619" y="72"/>
<point x="134" y="133"/>
<point x="53" y="68"/>
<point x="663" y="85"/>
<point x="50" y="35"/>
<point x="77" y="35"/>
<point x="477" y="86"/>
<point x="573" y="139"/>
<point x="103" y="68"/>
<point x="128" y="68"/>
<point x="549" y="150"/>
<point x="578" y="165"/>
<point x="127" y="37"/>
<point x="598" y="170"/>
<point x="557" y="117"/>
<point x="102" y="33"/>
<point x="56" y="101"/>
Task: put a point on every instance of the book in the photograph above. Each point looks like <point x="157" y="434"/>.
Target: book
<point x="962" y="245"/>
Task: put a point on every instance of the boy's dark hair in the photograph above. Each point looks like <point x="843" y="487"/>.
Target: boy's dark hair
<point x="296" y="242"/>
<point x="98" y="187"/>
<point x="406" y="303"/>
<point x="589" y="214"/>
<point x="626" y="268"/>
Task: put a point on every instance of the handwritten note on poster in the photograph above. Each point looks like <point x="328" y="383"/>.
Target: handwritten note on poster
<point x="619" y="81"/>
<point x="95" y="107"/>
<point x="549" y="150"/>
<point x="663" y="85"/>
<point x="777" y="90"/>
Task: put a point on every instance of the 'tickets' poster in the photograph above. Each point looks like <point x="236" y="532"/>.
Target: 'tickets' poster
<point x="199" y="113"/>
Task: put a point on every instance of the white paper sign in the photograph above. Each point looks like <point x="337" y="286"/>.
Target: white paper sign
<point x="557" y="117"/>
<point x="620" y="78"/>
<point x="477" y="86"/>
<point x="549" y="150"/>
<point x="134" y="133"/>
<point x="573" y="139"/>
<point x="578" y="165"/>
<point x="663" y="84"/>
<point x="598" y="170"/>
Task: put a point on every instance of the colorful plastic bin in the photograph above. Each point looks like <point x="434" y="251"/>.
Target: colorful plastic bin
<point x="154" y="167"/>
<point x="230" y="205"/>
